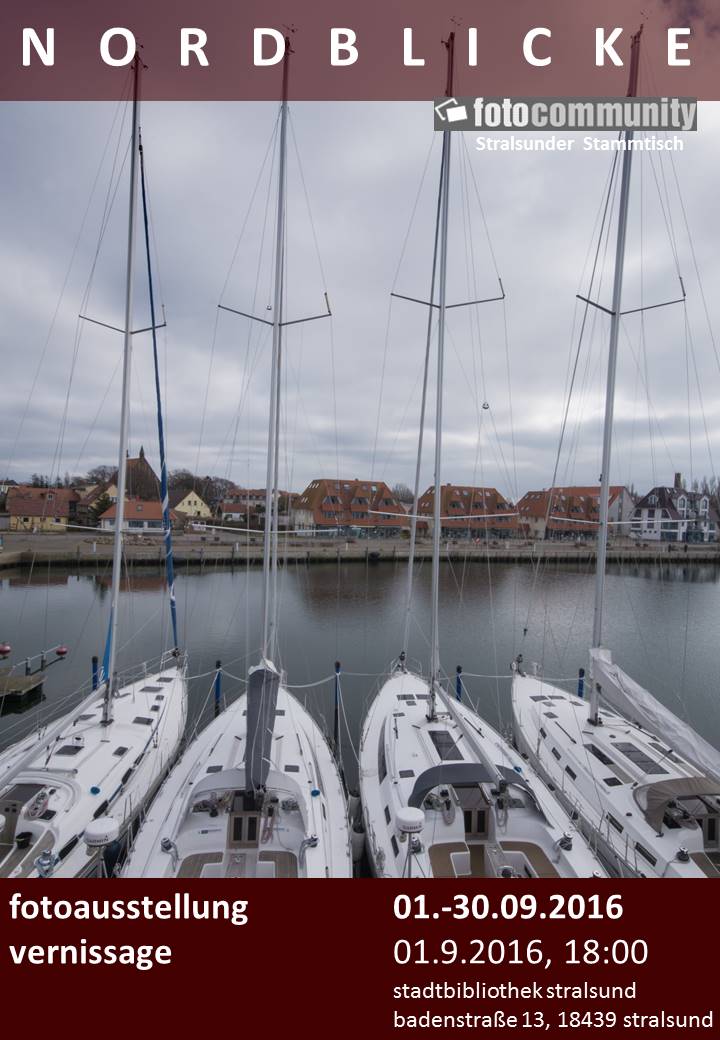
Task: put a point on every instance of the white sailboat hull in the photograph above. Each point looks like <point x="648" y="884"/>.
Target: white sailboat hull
<point x="201" y="825"/>
<point x="89" y="771"/>
<point x="485" y="814"/>
<point x="603" y="775"/>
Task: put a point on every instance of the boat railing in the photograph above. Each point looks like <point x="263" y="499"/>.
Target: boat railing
<point x="141" y="670"/>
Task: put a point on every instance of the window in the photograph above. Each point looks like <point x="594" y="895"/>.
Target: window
<point x="642" y="851"/>
<point x="395" y="846"/>
<point x="382" y="762"/>
<point x="543" y="734"/>
<point x="387" y="815"/>
<point x="612" y="781"/>
<point x="615" y="823"/>
<point x="570" y="773"/>
<point x="556" y="753"/>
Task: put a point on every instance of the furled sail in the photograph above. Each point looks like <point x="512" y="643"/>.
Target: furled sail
<point x="638" y="704"/>
<point x="261" y="700"/>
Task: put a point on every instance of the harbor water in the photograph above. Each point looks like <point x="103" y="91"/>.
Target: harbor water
<point x="660" y="621"/>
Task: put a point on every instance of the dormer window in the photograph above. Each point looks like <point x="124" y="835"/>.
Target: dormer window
<point x="652" y="500"/>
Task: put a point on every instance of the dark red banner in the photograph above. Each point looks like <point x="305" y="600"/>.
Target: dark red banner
<point x="371" y="959"/>
<point x="383" y="51"/>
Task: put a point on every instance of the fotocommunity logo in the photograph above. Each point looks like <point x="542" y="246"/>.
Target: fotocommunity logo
<point x="498" y="113"/>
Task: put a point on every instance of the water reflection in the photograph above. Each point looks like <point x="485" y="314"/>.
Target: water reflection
<point x="660" y="622"/>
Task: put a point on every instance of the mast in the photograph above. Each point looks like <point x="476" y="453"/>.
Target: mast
<point x="611" y="372"/>
<point x="111" y="646"/>
<point x="437" y="504"/>
<point x="270" y="535"/>
<point x="421" y="435"/>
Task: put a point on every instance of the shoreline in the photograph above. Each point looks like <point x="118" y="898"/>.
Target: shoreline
<point x="25" y="552"/>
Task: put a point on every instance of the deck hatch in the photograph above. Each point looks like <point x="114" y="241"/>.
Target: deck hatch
<point x="69" y="749"/>
<point x="150" y="689"/>
<point x="213" y="769"/>
<point x="606" y="761"/>
<point x="639" y="757"/>
<point x="445" y="746"/>
<point x="142" y="720"/>
<point x="120" y="751"/>
<point x="292" y="768"/>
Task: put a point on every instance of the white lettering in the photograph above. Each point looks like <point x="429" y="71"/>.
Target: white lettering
<point x="45" y="52"/>
<point x="603" y="47"/>
<point x="528" y="52"/>
<point x="192" y="41"/>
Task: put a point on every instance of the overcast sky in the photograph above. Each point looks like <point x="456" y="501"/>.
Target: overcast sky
<point x="362" y="165"/>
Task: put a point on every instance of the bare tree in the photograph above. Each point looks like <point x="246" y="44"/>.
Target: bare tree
<point x="402" y="493"/>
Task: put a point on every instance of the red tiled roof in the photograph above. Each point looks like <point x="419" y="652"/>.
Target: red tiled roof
<point x="138" y="509"/>
<point x="469" y="503"/>
<point x="566" y="504"/>
<point x="23" y="500"/>
<point x="351" y="503"/>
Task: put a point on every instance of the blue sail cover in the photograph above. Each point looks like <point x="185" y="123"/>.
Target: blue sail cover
<point x="167" y="527"/>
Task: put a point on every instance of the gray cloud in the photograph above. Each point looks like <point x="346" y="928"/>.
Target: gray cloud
<point x="362" y="165"/>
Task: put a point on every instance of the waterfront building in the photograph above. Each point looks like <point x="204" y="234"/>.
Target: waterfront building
<point x="347" y="507"/>
<point x="674" y="514"/>
<point x="189" y="505"/>
<point x="140" y="516"/>
<point x="40" y="508"/>
<point x="573" y="512"/>
<point x="471" y="512"/>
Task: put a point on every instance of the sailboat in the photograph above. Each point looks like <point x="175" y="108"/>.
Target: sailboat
<point x="443" y="794"/>
<point x="70" y="794"/>
<point x="644" y="787"/>
<point x="258" y="793"/>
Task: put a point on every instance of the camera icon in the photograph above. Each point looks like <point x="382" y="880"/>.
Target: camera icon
<point x="449" y="111"/>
